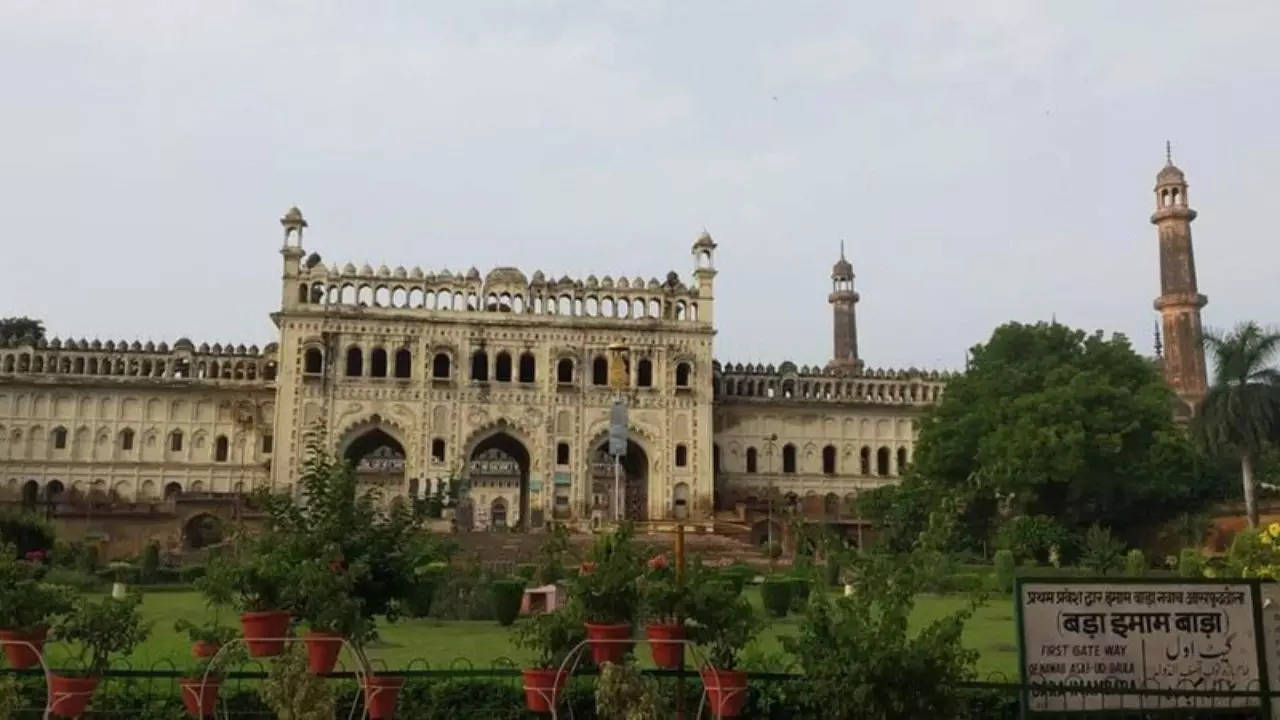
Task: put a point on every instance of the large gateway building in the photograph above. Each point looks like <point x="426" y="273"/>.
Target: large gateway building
<point x="503" y="379"/>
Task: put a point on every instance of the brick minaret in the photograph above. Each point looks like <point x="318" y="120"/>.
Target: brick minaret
<point x="1180" y="301"/>
<point x="843" y="301"/>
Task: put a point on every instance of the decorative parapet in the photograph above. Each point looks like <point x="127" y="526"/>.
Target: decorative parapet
<point x="789" y="383"/>
<point x="85" y="359"/>
<point x="503" y="290"/>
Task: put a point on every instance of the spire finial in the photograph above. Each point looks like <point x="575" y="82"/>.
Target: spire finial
<point x="841" y="248"/>
<point x="1168" y="153"/>
<point x="1158" y="344"/>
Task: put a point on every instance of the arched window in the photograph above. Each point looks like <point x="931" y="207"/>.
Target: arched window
<point x="404" y="363"/>
<point x="302" y="293"/>
<point x="682" y="455"/>
<point x="682" y="375"/>
<point x="59" y="438"/>
<point x="498" y="513"/>
<point x="268" y="441"/>
<point x="172" y="490"/>
<point x="502" y="367"/>
<point x="902" y="460"/>
<point x="788" y="458"/>
<point x="564" y="371"/>
<point x="175" y="441"/>
<point x="562" y="453"/>
<point x="126" y="439"/>
<point x="437" y="450"/>
<point x="355" y="362"/>
<point x="680" y="501"/>
<point x="378" y="363"/>
<point x="220" y="449"/>
<point x="751" y="460"/>
<point x="882" y="461"/>
<point x="527" y="367"/>
<point x="829" y="460"/>
<point x="600" y="371"/>
<point x="480" y="366"/>
<point x="644" y="373"/>
<point x="440" y="366"/>
<point x="831" y="505"/>
<point x="865" y="456"/>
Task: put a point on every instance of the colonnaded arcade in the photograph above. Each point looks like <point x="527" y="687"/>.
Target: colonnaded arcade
<point x="502" y="379"/>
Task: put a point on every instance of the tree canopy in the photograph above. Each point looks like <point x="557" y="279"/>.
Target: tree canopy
<point x="21" y="328"/>
<point x="1048" y="420"/>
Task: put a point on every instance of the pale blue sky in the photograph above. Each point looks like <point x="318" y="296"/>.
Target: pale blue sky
<point x="984" y="161"/>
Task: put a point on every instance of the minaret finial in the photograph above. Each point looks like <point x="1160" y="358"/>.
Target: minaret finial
<point x="1158" y="344"/>
<point x="841" y="248"/>
<point x="1168" y="153"/>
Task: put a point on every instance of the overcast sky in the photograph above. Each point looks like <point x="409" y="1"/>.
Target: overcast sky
<point x="983" y="161"/>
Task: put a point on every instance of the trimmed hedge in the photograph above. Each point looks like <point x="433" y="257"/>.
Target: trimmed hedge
<point x="507" y="596"/>
<point x="775" y="595"/>
<point x="800" y="587"/>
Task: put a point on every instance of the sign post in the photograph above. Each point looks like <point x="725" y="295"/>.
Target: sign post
<point x="1089" y="640"/>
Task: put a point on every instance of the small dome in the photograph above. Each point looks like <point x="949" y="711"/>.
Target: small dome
<point x="538" y="277"/>
<point x="399" y="272"/>
<point x="183" y="344"/>
<point x="592" y="282"/>
<point x="204" y="347"/>
<point x="505" y="276"/>
<point x="383" y="271"/>
<point x="842" y="270"/>
<point x="704" y="241"/>
<point x="473" y="274"/>
<point x="349" y="269"/>
<point x="270" y="349"/>
<point x="606" y="282"/>
<point x="149" y="347"/>
<point x="624" y="283"/>
<point x="293" y="216"/>
<point x="366" y="269"/>
<point x="163" y="347"/>
<point x="416" y="273"/>
<point x="1170" y="174"/>
<point x="55" y="343"/>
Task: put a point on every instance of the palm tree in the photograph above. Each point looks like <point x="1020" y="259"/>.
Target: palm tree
<point x="1240" y="414"/>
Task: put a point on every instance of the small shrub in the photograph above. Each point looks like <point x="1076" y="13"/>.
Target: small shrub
<point x="1135" y="563"/>
<point x="72" y="578"/>
<point x="507" y="594"/>
<point x="1190" y="563"/>
<point x="150" y="564"/>
<point x="831" y="572"/>
<point x="26" y="531"/>
<point x="527" y="571"/>
<point x="800" y="586"/>
<point x="775" y="595"/>
<point x="190" y="573"/>
<point x="1101" y="553"/>
<point x="1032" y="537"/>
<point x="738" y="575"/>
<point x="1005" y="569"/>
<point x="293" y="692"/>
<point x="89" y="558"/>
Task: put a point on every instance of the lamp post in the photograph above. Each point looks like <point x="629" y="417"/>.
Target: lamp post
<point x="618" y="381"/>
<point x="768" y="451"/>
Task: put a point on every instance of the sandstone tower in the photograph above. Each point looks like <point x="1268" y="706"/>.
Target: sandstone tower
<point x="843" y="301"/>
<point x="1179" y="302"/>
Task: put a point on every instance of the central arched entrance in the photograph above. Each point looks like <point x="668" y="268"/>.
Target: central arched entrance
<point x="635" y="481"/>
<point x="498" y="478"/>
<point x="378" y="458"/>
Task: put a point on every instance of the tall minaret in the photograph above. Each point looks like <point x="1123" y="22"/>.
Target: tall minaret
<point x="1179" y="302"/>
<point x="843" y="301"/>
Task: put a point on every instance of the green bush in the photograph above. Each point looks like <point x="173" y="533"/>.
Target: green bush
<point x="26" y="531"/>
<point x="831" y="572"/>
<point x="1101" y="550"/>
<point x="507" y="594"/>
<point x="190" y="573"/>
<point x="801" y="583"/>
<point x="775" y="594"/>
<point x="738" y="575"/>
<point x="1006" y="570"/>
<point x="527" y="571"/>
<point x="89" y="558"/>
<point x="1032" y="537"/>
<point x="150" y="564"/>
<point x="461" y="592"/>
<point x="72" y="578"/>
<point x="1190" y="563"/>
<point x="1135" y="563"/>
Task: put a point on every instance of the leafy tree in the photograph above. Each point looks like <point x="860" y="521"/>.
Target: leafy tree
<point x="1101" y="552"/>
<point x="21" y="329"/>
<point x="1241" y="412"/>
<point x="859" y="660"/>
<point x="1051" y="421"/>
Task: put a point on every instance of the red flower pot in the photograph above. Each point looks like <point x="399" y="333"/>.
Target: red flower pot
<point x="71" y="694"/>
<point x="204" y="649"/>
<point x="200" y="695"/>
<point x="322" y="650"/>
<point x="543" y="688"/>
<point x="726" y="691"/>
<point x="262" y="630"/>
<point x="603" y="640"/>
<point x="666" y="654"/>
<point x="380" y="695"/>
<point x="23" y="647"/>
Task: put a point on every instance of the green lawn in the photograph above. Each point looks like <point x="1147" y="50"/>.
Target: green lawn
<point x="480" y="643"/>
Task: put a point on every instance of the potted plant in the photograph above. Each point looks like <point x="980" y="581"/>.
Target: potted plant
<point x="606" y="589"/>
<point x="212" y="652"/>
<point x="723" y="622"/>
<point x="26" y="607"/>
<point x="550" y="636"/>
<point x="95" y="630"/>
<point x="332" y="615"/>
<point x="664" y="602"/>
<point x="258" y="584"/>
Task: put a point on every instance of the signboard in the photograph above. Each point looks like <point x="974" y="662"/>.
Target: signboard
<point x="1103" y="634"/>
<point x="1271" y="637"/>
<point x="563" y="478"/>
<point x="618" y="429"/>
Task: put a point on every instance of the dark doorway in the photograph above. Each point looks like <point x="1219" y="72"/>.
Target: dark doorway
<point x="377" y="458"/>
<point x="202" y="531"/>
<point x="501" y="462"/>
<point x="635" y="483"/>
